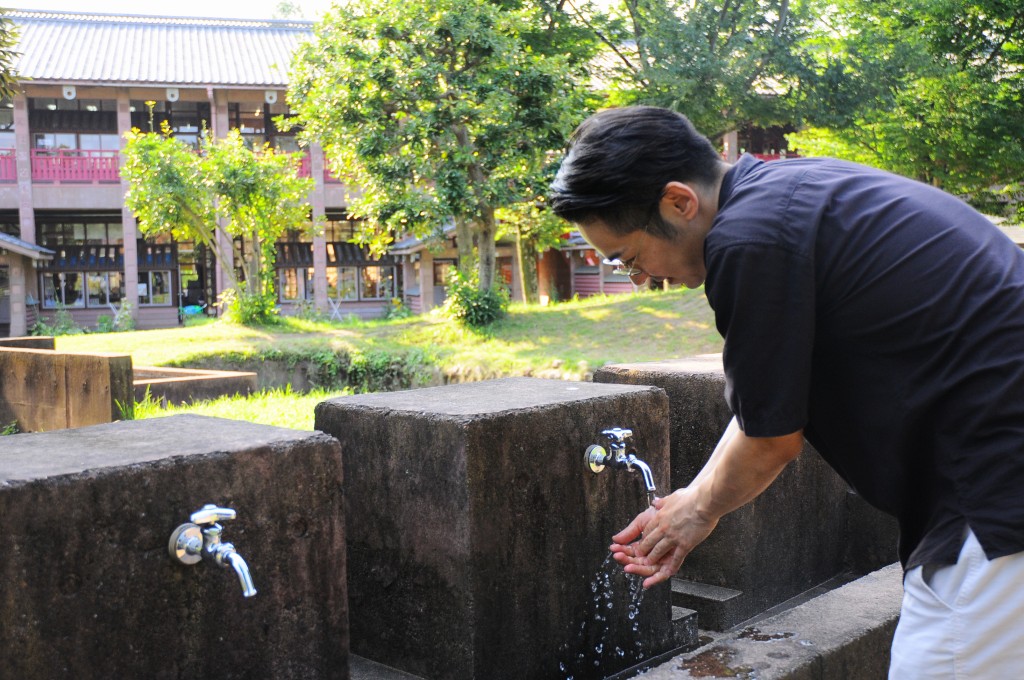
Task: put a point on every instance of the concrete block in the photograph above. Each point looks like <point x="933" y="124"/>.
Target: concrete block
<point x="477" y="538"/>
<point x="46" y="390"/>
<point x="99" y="388"/>
<point x="845" y="633"/>
<point x="90" y="592"/>
<point x="29" y="342"/>
<point x="788" y="540"/>
<point x="185" y="385"/>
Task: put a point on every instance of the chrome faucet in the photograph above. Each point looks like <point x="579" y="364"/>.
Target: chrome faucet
<point x="200" y="539"/>
<point x="619" y="455"/>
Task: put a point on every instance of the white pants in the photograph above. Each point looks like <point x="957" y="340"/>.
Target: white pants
<point x="963" y="621"/>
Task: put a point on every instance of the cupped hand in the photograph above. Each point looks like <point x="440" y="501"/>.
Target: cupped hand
<point x="667" y="533"/>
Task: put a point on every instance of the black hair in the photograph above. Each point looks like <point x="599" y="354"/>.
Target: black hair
<point x="618" y="162"/>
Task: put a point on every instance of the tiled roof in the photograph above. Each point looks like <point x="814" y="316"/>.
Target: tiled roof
<point x="113" y="49"/>
<point x="16" y="245"/>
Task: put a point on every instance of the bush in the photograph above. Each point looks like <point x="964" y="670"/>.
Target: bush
<point x="471" y="306"/>
<point x="124" y="320"/>
<point x="62" y="324"/>
<point x="307" y="311"/>
<point x="121" y="321"/>
<point x="248" y="309"/>
<point x="397" y="309"/>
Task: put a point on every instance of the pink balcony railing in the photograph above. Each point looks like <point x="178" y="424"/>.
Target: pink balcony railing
<point x="74" y="165"/>
<point x="306" y="170"/>
<point x="8" y="166"/>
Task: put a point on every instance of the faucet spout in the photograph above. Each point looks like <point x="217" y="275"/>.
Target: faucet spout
<point x="634" y="463"/>
<point x="242" y="569"/>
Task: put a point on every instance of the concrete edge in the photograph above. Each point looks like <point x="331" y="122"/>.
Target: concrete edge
<point x="845" y="633"/>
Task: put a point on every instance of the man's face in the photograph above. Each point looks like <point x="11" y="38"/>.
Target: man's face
<point x="679" y="260"/>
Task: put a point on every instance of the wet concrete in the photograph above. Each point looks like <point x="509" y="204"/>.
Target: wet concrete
<point x="807" y="528"/>
<point x="478" y="540"/>
<point x="844" y="633"/>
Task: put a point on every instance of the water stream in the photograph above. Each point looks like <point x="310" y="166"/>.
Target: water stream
<point x="609" y="637"/>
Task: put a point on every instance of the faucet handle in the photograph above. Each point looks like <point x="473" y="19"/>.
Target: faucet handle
<point x="211" y="514"/>
<point x="618" y="435"/>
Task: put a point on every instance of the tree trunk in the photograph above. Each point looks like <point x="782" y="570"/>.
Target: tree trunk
<point x="464" y="245"/>
<point x="252" y="268"/>
<point x="526" y="253"/>
<point x="487" y="249"/>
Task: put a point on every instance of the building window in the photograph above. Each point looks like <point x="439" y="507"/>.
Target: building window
<point x="53" y="234"/>
<point x="105" y="288"/>
<point x="155" y="288"/>
<point x="187" y="120"/>
<point x="6" y="124"/>
<point x="378" y="283"/>
<point x="295" y="284"/>
<point x="62" y="289"/>
<point x="340" y="230"/>
<point x="442" y="268"/>
<point x="352" y="284"/>
<point x="346" y="278"/>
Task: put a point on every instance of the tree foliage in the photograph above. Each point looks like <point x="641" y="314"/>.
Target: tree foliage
<point x="437" y="111"/>
<point x="933" y="89"/>
<point x="8" y="56"/>
<point x="722" y="63"/>
<point x="255" y="193"/>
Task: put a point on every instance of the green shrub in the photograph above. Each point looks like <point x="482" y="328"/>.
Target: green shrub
<point x="124" y="320"/>
<point x="248" y="309"/>
<point x="397" y="309"/>
<point x="62" y="324"/>
<point x="384" y="371"/>
<point x="104" y="323"/>
<point x="10" y="428"/>
<point x="471" y="306"/>
<point x="307" y="311"/>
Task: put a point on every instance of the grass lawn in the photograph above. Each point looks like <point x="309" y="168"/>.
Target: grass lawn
<point x="572" y="337"/>
<point x="566" y="340"/>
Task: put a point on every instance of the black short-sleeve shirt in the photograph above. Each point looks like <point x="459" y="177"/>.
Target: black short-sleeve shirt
<point x="886" y="319"/>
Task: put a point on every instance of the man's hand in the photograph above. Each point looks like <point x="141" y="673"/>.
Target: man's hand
<point x="739" y="469"/>
<point x="667" y="533"/>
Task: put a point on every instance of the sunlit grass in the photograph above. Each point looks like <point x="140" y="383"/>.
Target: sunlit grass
<point x="566" y="340"/>
<point x="588" y="333"/>
<point x="280" y="407"/>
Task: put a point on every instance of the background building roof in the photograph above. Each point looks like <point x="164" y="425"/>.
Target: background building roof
<point x="117" y="49"/>
<point x="14" y="244"/>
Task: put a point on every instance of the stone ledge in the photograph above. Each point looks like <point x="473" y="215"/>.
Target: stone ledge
<point x="845" y="633"/>
<point x="185" y="385"/>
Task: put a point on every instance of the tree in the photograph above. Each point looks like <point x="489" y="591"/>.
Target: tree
<point x="173" y="189"/>
<point x="932" y="89"/>
<point x="8" y="39"/>
<point x="723" y="63"/>
<point x="433" y="112"/>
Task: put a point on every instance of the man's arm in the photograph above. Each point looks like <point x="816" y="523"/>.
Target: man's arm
<point x="739" y="469"/>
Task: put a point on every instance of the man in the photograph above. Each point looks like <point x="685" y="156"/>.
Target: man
<point x="878" y="317"/>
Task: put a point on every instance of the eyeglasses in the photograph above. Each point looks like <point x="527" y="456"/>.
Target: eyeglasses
<point x="620" y="268"/>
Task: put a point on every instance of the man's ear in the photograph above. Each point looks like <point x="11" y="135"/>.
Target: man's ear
<point x="681" y="200"/>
